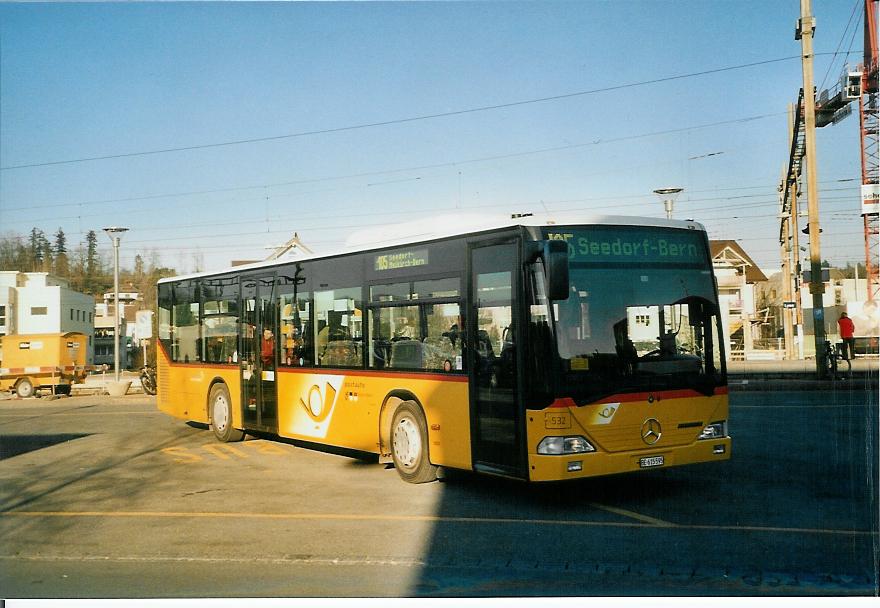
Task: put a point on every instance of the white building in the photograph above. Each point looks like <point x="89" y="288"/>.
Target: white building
<point x="737" y="274"/>
<point x="105" y="321"/>
<point x="40" y="303"/>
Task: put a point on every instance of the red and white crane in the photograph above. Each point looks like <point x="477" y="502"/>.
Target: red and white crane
<point x="869" y="127"/>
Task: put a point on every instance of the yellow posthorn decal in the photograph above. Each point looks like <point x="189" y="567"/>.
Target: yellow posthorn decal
<point x="604" y="413"/>
<point x="318" y="406"/>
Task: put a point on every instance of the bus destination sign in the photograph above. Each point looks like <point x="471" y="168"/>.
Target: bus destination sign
<point x="401" y="259"/>
<point x="646" y="245"/>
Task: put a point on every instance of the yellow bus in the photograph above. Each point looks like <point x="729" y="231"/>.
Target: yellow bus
<point x="535" y="348"/>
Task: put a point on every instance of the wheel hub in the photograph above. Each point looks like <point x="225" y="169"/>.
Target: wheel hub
<point x="407" y="442"/>
<point x="221" y="413"/>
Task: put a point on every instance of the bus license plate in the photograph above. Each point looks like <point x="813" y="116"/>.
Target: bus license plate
<point x="651" y="461"/>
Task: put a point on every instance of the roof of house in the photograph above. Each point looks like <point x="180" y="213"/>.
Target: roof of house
<point x="731" y="251"/>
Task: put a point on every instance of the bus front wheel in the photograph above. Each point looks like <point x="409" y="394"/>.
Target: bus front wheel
<point x="409" y="444"/>
<point x="221" y="415"/>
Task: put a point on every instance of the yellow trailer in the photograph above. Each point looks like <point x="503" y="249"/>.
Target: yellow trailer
<point x="31" y="362"/>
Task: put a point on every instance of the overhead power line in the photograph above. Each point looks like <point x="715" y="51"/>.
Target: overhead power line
<point x="447" y="164"/>
<point x="839" y="44"/>
<point x="408" y="119"/>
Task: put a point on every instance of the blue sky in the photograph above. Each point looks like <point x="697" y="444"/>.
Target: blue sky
<point x="80" y="81"/>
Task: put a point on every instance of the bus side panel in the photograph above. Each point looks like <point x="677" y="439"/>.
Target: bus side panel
<point x="344" y="411"/>
<point x="183" y="389"/>
<point x="447" y="410"/>
<point x="331" y="409"/>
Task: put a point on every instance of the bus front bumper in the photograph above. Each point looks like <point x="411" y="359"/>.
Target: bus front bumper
<point x="592" y="464"/>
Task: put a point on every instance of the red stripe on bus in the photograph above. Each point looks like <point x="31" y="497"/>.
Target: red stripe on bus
<point x="199" y="364"/>
<point x="372" y="374"/>
<point x="196" y="363"/>
<point x="564" y="402"/>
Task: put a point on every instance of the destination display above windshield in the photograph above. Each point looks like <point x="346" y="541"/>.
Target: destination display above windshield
<point x="651" y="245"/>
<point x="404" y="258"/>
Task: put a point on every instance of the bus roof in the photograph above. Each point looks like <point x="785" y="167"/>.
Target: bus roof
<point x="450" y="226"/>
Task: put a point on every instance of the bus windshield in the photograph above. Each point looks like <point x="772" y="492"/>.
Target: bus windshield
<point x="641" y="314"/>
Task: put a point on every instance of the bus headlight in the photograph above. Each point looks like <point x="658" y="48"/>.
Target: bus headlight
<point x="715" y="430"/>
<point x="564" y="445"/>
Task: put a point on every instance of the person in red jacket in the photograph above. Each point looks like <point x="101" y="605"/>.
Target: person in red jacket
<point x="267" y="350"/>
<point x="847" y="328"/>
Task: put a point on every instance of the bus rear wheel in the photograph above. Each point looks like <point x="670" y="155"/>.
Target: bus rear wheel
<point x="24" y="388"/>
<point x="409" y="444"/>
<point x="220" y="407"/>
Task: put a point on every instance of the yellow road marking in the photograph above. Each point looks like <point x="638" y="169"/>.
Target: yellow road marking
<point x="427" y="519"/>
<point x="632" y="514"/>
<point x="218" y="449"/>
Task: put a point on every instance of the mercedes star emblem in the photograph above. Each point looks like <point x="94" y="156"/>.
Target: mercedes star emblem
<point x="651" y="431"/>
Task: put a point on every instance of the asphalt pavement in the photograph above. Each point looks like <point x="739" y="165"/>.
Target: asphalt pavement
<point x="107" y="497"/>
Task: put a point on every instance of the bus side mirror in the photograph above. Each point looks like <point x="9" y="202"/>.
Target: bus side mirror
<point x="554" y="256"/>
<point x="556" y="268"/>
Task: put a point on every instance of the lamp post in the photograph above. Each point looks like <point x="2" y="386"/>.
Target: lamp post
<point x="668" y="195"/>
<point x="113" y="232"/>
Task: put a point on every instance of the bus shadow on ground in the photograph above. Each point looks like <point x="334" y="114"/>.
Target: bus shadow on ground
<point x="462" y="486"/>
<point x="16" y="445"/>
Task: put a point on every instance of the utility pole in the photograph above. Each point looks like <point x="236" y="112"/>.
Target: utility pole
<point x="113" y="233"/>
<point x="805" y="28"/>
<point x="785" y="244"/>
<point x="797" y="270"/>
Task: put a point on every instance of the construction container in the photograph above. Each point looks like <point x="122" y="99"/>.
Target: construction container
<point x="39" y="362"/>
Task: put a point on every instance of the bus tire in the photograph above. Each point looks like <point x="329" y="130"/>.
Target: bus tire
<point x="220" y="408"/>
<point x="24" y="388"/>
<point x="409" y="444"/>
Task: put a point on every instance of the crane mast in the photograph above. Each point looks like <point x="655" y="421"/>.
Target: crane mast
<point x="869" y="127"/>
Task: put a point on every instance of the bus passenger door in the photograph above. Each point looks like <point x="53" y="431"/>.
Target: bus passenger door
<point x="496" y="421"/>
<point x="257" y="360"/>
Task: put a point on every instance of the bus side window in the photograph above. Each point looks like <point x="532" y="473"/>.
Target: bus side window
<point x="296" y="345"/>
<point x="339" y="325"/>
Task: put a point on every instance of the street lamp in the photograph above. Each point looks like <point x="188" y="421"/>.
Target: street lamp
<point x="668" y="195"/>
<point x="113" y="232"/>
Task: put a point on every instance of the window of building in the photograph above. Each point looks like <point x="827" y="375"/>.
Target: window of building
<point x="3" y="316"/>
<point x="71" y="314"/>
<point x="39" y="311"/>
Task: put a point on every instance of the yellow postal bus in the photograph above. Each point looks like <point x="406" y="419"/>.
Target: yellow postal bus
<point x="537" y="348"/>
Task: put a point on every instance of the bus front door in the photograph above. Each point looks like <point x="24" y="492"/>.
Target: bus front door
<point x="496" y="421"/>
<point x="259" y="332"/>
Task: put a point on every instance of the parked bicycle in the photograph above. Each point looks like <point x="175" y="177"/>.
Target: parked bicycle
<point x="832" y="359"/>
<point x="148" y="379"/>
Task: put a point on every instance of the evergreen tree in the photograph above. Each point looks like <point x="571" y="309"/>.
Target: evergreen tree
<point x="91" y="253"/>
<point x="93" y="263"/>
<point x="46" y="255"/>
<point x="61" y="262"/>
<point x="35" y="250"/>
